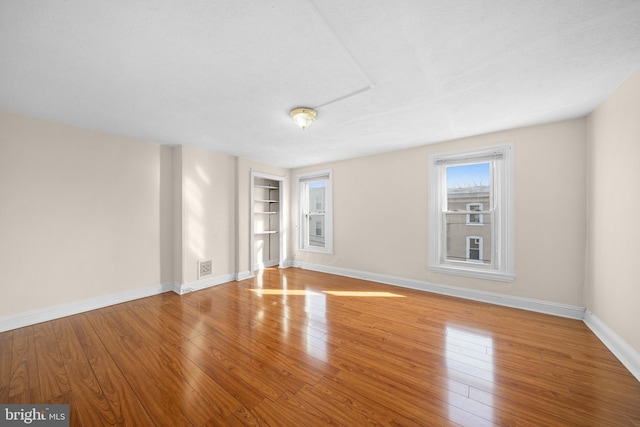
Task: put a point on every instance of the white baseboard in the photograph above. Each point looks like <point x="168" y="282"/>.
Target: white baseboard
<point x="626" y="354"/>
<point x="287" y="263"/>
<point x="248" y="274"/>
<point x="563" y="310"/>
<point x="242" y="275"/>
<point x="44" y="315"/>
<point x="203" y="283"/>
<point x="266" y="264"/>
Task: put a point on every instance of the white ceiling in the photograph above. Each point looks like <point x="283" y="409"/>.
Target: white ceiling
<point x="384" y="74"/>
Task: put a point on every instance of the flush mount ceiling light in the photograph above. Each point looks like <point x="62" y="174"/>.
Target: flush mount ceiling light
<point x="303" y="117"/>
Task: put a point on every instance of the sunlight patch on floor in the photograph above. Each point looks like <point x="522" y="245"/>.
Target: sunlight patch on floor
<point x="363" y="294"/>
<point x="284" y="292"/>
<point x="334" y="293"/>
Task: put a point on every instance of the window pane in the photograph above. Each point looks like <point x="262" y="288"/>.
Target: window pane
<point x="315" y="229"/>
<point x="458" y="231"/>
<point x="468" y="184"/>
<point x="316" y="196"/>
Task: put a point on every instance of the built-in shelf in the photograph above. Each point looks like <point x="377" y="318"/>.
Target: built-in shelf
<point x="266" y="220"/>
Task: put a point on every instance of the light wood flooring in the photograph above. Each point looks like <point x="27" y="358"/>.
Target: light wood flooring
<point x="299" y="348"/>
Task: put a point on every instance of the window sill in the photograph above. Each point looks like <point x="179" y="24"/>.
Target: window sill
<point x="471" y="272"/>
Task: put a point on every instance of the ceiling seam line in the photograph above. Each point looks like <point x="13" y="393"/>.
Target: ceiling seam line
<point x="368" y="80"/>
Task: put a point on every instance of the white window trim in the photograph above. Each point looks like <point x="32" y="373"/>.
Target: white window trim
<point x="328" y="225"/>
<point x="502" y="265"/>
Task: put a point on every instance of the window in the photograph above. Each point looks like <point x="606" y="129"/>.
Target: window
<point x="470" y="213"/>
<point x="315" y="212"/>
<point x="473" y="218"/>
<point x="474" y="248"/>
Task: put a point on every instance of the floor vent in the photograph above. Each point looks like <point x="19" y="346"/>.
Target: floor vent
<point x="205" y="268"/>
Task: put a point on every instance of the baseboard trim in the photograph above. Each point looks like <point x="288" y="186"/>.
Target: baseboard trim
<point x="38" y="316"/>
<point x="546" y="307"/>
<point x="242" y="275"/>
<point x="619" y="347"/>
<point x="266" y="264"/>
<point x="208" y="282"/>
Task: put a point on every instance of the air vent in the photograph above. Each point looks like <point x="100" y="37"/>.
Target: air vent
<point x="205" y="268"/>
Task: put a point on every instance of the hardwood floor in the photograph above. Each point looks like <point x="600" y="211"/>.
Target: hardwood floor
<point x="293" y="347"/>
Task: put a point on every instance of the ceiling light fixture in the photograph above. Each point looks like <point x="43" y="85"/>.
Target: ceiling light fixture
<point x="303" y="117"/>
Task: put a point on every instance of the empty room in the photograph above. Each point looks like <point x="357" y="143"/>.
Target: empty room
<point x="310" y="213"/>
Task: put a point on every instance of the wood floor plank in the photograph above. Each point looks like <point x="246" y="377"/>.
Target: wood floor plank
<point x="102" y="322"/>
<point x="293" y="347"/>
<point x="173" y="382"/>
<point x="243" y="417"/>
<point x="273" y="414"/>
<point x="91" y="403"/>
<point x="213" y="395"/>
<point x="127" y="409"/>
<point x="387" y="398"/>
<point x="6" y="349"/>
<point x="53" y="380"/>
<point x="248" y="375"/>
<point x="243" y="392"/>
<point x="24" y="382"/>
<point x="88" y="398"/>
<point x="271" y="368"/>
<point x="346" y="400"/>
<point x="159" y="402"/>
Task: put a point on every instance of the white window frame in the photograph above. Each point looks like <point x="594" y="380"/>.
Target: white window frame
<point x="303" y="180"/>
<point x="479" y="214"/>
<point x="501" y="209"/>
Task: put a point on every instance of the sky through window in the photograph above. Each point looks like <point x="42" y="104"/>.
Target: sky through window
<point x="472" y="175"/>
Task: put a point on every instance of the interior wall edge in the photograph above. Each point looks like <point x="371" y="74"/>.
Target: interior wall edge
<point x="619" y="347"/>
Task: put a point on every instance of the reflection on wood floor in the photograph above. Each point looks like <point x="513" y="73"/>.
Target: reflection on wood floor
<point x="294" y="348"/>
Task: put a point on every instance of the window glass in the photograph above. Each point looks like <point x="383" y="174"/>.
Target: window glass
<point x="468" y="189"/>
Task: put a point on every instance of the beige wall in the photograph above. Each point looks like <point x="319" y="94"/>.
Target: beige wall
<point x="87" y="215"/>
<point x="380" y="213"/>
<point x="613" y="290"/>
<point x="208" y="211"/>
<point x="80" y="214"/>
